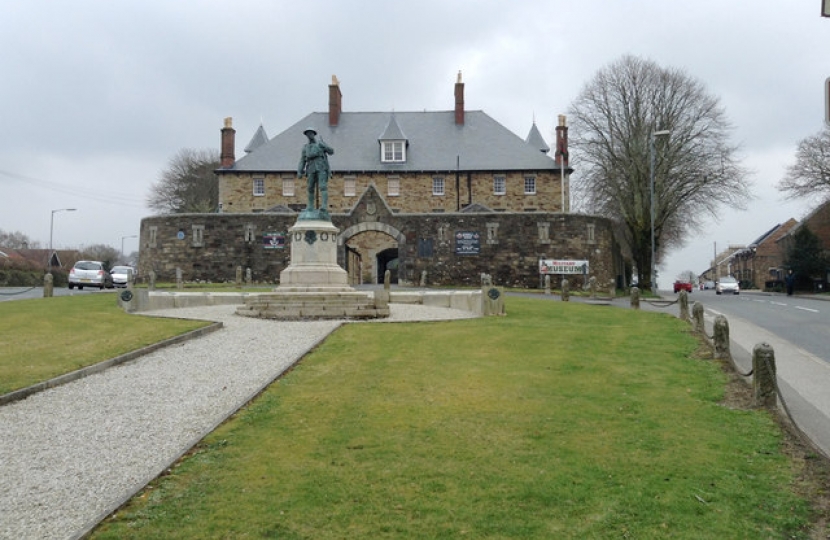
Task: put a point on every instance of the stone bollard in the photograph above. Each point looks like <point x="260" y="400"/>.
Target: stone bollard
<point x="387" y="280"/>
<point x="721" y="337"/>
<point x="566" y="290"/>
<point x="547" y="283"/>
<point x="612" y="288"/>
<point x="697" y="316"/>
<point x="763" y="380"/>
<point x="423" y="278"/>
<point x="179" y="279"/>
<point x="238" y="277"/>
<point x="635" y="298"/>
<point x="48" y="285"/>
<point x="684" y="305"/>
<point x="151" y="280"/>
<point x="248" y="276"/>
<point x="592" y="286"/>
<point x="382" y="296"/>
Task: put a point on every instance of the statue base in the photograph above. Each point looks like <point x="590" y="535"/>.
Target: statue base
<point x="314" y="286"/>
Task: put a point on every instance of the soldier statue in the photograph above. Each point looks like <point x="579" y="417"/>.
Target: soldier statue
<point x="314" y="163"/>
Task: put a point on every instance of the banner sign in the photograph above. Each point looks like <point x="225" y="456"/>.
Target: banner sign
<point x="273" y="240"/>
<point x="553" y="266"/>
<point x="467" y="243"/>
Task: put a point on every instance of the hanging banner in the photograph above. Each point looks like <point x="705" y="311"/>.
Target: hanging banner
<point x="273" y="240"/>
<point x="553" y="266"/>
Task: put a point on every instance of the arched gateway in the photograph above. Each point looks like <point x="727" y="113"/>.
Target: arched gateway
<point x="370" y="248"/>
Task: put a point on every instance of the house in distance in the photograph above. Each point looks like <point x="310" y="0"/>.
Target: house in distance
<point x="442" y="195"/>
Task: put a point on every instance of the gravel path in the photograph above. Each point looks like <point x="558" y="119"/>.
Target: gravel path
<point x="72" y="454"/>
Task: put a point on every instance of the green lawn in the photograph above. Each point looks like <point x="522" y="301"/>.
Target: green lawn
<point x="560" y="420"/>
<point x="47" y="337"/>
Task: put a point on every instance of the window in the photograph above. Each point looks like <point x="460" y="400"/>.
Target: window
<point x="288" y="186"/>
<point x="499" y="185"/>
<point x="153" y="235"/>
<point x="392" y="152"/>
<point x="349" y="186"/>
<point x="259" y="187"/>
<point x="530" y="185"/>
<point x="198" y="235"/>
<point x="393" y="186"/>
<point x="438" y="185"/>
<point x="591" y="233"/>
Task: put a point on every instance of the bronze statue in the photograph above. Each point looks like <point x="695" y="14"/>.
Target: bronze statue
<point x="314" y="163"/>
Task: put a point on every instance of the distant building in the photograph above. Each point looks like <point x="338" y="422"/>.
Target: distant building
<point x="446" y="194"/>
<point x="762" y="261"/>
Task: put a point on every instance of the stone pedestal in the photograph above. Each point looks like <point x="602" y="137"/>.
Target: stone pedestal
<point x="314" y="286"/>
<point x="314" y="265"/>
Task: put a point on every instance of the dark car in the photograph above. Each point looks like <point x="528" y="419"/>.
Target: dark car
<point x="90" y="273"/>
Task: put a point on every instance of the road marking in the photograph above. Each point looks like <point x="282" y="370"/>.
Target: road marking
<point x="777" y="303"/>
<point x="807" y="309"/>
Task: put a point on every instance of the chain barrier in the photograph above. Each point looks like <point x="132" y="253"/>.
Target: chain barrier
<point x="790" y="418"/>
<point x="16" y="292"/>
<point x="661" y="303"/>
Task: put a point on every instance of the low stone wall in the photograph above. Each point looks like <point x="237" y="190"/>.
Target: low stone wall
<point x="144" y="300"/>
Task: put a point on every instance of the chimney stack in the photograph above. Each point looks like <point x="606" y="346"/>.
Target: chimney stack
<point x="335" y="101"/>
<point x="227" y="155"/>
<point x="562" y="142"/>
<point x="459" y="101"/>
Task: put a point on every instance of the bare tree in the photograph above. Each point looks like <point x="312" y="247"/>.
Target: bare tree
<point x="614" y="120"/>
<point x="810" y="176"/>
<point x="101" y="252"/>
<point x="16" y="240"/>
<point x="188" y="184"/>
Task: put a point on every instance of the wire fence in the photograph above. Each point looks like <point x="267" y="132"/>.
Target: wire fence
<point x="14" y="293"/>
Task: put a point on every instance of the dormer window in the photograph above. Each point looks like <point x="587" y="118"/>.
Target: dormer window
<point x="393" y="151"/>
<point x="393" y="143"/>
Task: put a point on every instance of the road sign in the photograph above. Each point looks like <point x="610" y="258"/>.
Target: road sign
<point x="825" y="8"/>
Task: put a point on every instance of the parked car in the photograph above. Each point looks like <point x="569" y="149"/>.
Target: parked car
<point x="90" y="273"/>
<point x="682" y="286"/>
<point x="708" y="285"/>
<point x="727" y="285"/>
<point x="121" y="275"/>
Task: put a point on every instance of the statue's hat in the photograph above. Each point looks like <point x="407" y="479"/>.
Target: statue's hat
<point x="311" y="129"/>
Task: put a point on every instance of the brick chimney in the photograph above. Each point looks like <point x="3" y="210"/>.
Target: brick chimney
<point x="562" y="141"/>
<point x="459" y="101"/>
<point x="227" y="155"/>
<point x="335" y="101"/>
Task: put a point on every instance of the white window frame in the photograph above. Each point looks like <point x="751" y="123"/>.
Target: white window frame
<point x="349" y="186"/>
<point x="530" y="185"/>
<point x="499" y="185"/>
<point x="393" y="186"/>
<point x="393" y="151"/>
<point x="438" y="185"/>
<point x="288" y="187"/>
<point x="259" y="187"/>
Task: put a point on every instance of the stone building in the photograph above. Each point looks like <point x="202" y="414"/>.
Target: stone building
<point x="446" y="194"/>
<point x="762" y="261"/>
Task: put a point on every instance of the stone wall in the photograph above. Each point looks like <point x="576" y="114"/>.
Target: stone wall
<point x="414" y="191"/>
<point x="508" y="245"/>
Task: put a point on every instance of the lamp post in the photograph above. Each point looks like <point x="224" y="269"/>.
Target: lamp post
<point x="51" y="229"/>
<point x="651" y="183"/>
<point x="122" y="244"/>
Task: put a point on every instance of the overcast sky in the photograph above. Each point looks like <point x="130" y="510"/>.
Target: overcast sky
<point x="97" y="96"/>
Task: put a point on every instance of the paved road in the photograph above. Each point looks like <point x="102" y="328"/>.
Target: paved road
<point x="26" y="293"/>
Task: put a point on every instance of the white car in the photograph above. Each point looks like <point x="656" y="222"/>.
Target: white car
<point x="121" y="275"/>
<point x="91" y="273"/>
<point x="727" y="285"/>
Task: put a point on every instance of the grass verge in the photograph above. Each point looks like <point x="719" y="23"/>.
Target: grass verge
<point x="46" y="337"/>
<point x="559" y="421"/>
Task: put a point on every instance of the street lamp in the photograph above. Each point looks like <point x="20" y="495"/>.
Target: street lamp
<point x="654" y="134"/>
<point x="51" y="228"/>
<point x="122" y="244"/>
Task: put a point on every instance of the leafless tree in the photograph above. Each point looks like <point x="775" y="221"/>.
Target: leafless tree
<point x="188" y="184"/>
<point x="101" y="252"/>
<point x="696" y="170"/>
<point x="16" y="240"/>
<point x="810" y="176"/>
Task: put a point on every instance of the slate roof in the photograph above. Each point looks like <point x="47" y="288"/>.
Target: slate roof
<point x="435" y="143"/>
<point x="535" y="139"/>
<point x="259" y="138"/>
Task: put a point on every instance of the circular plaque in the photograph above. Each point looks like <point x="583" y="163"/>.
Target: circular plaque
<point x="127" y="295"/>
<point x="493" y="293"/>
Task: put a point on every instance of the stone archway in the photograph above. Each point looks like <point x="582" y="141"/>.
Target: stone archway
<point x="375" y="247"/>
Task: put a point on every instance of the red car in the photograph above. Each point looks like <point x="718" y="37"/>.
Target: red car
<point x="682" y="286"/>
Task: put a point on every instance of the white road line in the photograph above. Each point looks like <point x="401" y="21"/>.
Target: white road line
<point x="806" y="309"/>
<point x="777" y="303"/>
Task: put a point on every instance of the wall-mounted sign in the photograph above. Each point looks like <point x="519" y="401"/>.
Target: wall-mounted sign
<point x="467" y="243"/>
<point x="553" y="266"/>
<point x="273" y="240"/>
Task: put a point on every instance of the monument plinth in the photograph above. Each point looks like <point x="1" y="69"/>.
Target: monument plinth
<point x="314" y="265"/>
